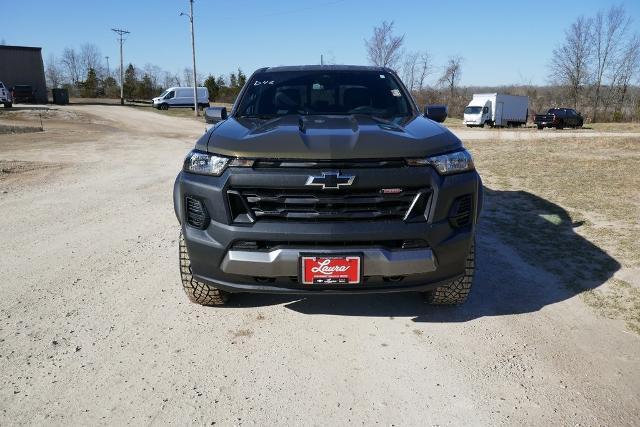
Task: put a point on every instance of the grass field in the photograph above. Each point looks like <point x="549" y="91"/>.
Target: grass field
<point x="454" y="122"/>
<point x="572" y="205"/>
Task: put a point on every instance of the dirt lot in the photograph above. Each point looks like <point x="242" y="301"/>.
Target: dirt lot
<point x="94" y="327"/>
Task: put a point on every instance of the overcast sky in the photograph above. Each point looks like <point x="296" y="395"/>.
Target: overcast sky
<point x="502" y="42"/>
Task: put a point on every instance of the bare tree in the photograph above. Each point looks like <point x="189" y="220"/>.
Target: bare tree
<point x="629" y="67"/>
<point x="187" y="76"/>
<point x="409" y="70"/>
<point x="416" y="66"/>
<point x="452" y="74"/>
<point x="71" y="64"/>
<point x="608" y="37"/>
<point x="170" y="79"/>
<point x="384" y="48"/>
<point x="424" y="69"/>
<point x="155" y="75"/>
<point x="89" y="57"/>
<point x="570" y="61"/>
<point x="53" y="73"/>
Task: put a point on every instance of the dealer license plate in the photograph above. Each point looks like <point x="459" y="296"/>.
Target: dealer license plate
<point x="330" y="269"/>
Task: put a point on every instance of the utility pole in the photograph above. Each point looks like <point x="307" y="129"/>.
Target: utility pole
<point x="193" y="52"/>
<point x="108" y="73"/>
<point x="321" y="59"/>
<point x="121" y="34"/>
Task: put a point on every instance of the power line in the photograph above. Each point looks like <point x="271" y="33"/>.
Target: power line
<point x="121" y="34"/>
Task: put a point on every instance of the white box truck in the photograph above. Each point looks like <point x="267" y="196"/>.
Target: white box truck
<point x="496" y="109"/>
<point x="181" y="97"/>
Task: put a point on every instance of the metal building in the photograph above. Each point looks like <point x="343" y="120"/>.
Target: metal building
<point x="22" y="65"/>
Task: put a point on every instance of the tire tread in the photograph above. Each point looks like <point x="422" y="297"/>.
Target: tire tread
<point x="198" y="292"/>
<point x="457" y="291"/>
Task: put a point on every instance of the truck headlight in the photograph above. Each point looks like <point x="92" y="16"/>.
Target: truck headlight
<point x="204" y="163"/>
<point x="445" y="164"/>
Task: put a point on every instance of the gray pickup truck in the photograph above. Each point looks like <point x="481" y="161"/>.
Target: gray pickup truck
<point x="327" y="179"/>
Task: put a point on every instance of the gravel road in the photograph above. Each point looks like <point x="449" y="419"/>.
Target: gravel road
<point x="95" y="328"/>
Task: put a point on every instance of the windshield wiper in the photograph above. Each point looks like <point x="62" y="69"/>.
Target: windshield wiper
<point x="259" y="116"/>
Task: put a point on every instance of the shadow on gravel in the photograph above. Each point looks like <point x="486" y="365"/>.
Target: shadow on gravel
<point x="25" y="108"/>
<point x="529" y="256"/>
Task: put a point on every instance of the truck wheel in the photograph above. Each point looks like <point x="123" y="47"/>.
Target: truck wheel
<point x="540" y="127"/>
<point x="164" y="106"/>
<point x="457" y="291"/>
<point x="198" y="292"/>
<point x="8" y="105"/>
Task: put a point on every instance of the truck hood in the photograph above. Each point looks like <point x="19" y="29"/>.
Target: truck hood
<point x="328" y="137"/>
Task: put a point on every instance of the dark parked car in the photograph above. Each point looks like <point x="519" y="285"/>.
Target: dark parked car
<point x="23" y="94"/>
<point x="559" y="118"/>
<point x="327" y="179"/>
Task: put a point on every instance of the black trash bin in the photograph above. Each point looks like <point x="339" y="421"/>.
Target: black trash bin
<point x="60" y="96"/>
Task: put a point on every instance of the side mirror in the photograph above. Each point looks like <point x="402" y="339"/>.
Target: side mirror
<point x="215" y="114"/>
<point x="437" y="113"/>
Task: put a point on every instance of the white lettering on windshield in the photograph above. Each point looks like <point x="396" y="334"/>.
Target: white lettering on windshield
<point x="263" y="82"/>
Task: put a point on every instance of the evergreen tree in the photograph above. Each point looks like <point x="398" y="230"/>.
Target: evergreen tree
<point x="90" y="85"/>
<point x="212" y="86"/>
<point x="242" y="78"/>
<point x="144" y="88"/>
<point x="233" y="80"/>
<point x="111" y="88"/>
<point x="130" y="81"/>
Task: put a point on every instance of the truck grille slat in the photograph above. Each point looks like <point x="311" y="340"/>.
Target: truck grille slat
<point x="323" y="205"/>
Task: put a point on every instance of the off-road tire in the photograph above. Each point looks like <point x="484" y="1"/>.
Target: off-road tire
<point x="198" y="292"/>
<point x="457" y="291"/>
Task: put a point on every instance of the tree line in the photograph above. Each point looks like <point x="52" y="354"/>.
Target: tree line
<point x="595" y="69"/>
<point x="592" y="69"/>
<point x="596" y="63"/>
<point x="86" y="73"/>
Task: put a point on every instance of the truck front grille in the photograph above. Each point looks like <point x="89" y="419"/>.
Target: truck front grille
<point x="266" y="245"/>
<point x="317" y="205"/>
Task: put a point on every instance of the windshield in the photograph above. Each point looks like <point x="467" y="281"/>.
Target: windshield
<point x="162" y="95"/>
<point x="472" y="110"/>
<point x="340" y="92"/>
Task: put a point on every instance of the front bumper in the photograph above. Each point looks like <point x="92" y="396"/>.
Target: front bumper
<point x="215" y="260"/>
<point x="545" y="124"/>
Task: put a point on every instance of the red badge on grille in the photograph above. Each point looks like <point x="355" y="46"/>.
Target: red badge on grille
<point x="331" y="269"/>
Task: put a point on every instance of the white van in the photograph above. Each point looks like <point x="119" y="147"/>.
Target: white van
<point x="496" y="109"/>
<point x="175" y="97"/>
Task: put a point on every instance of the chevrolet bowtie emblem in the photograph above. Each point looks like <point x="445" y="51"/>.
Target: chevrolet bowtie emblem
<point x="330" y="180"/>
